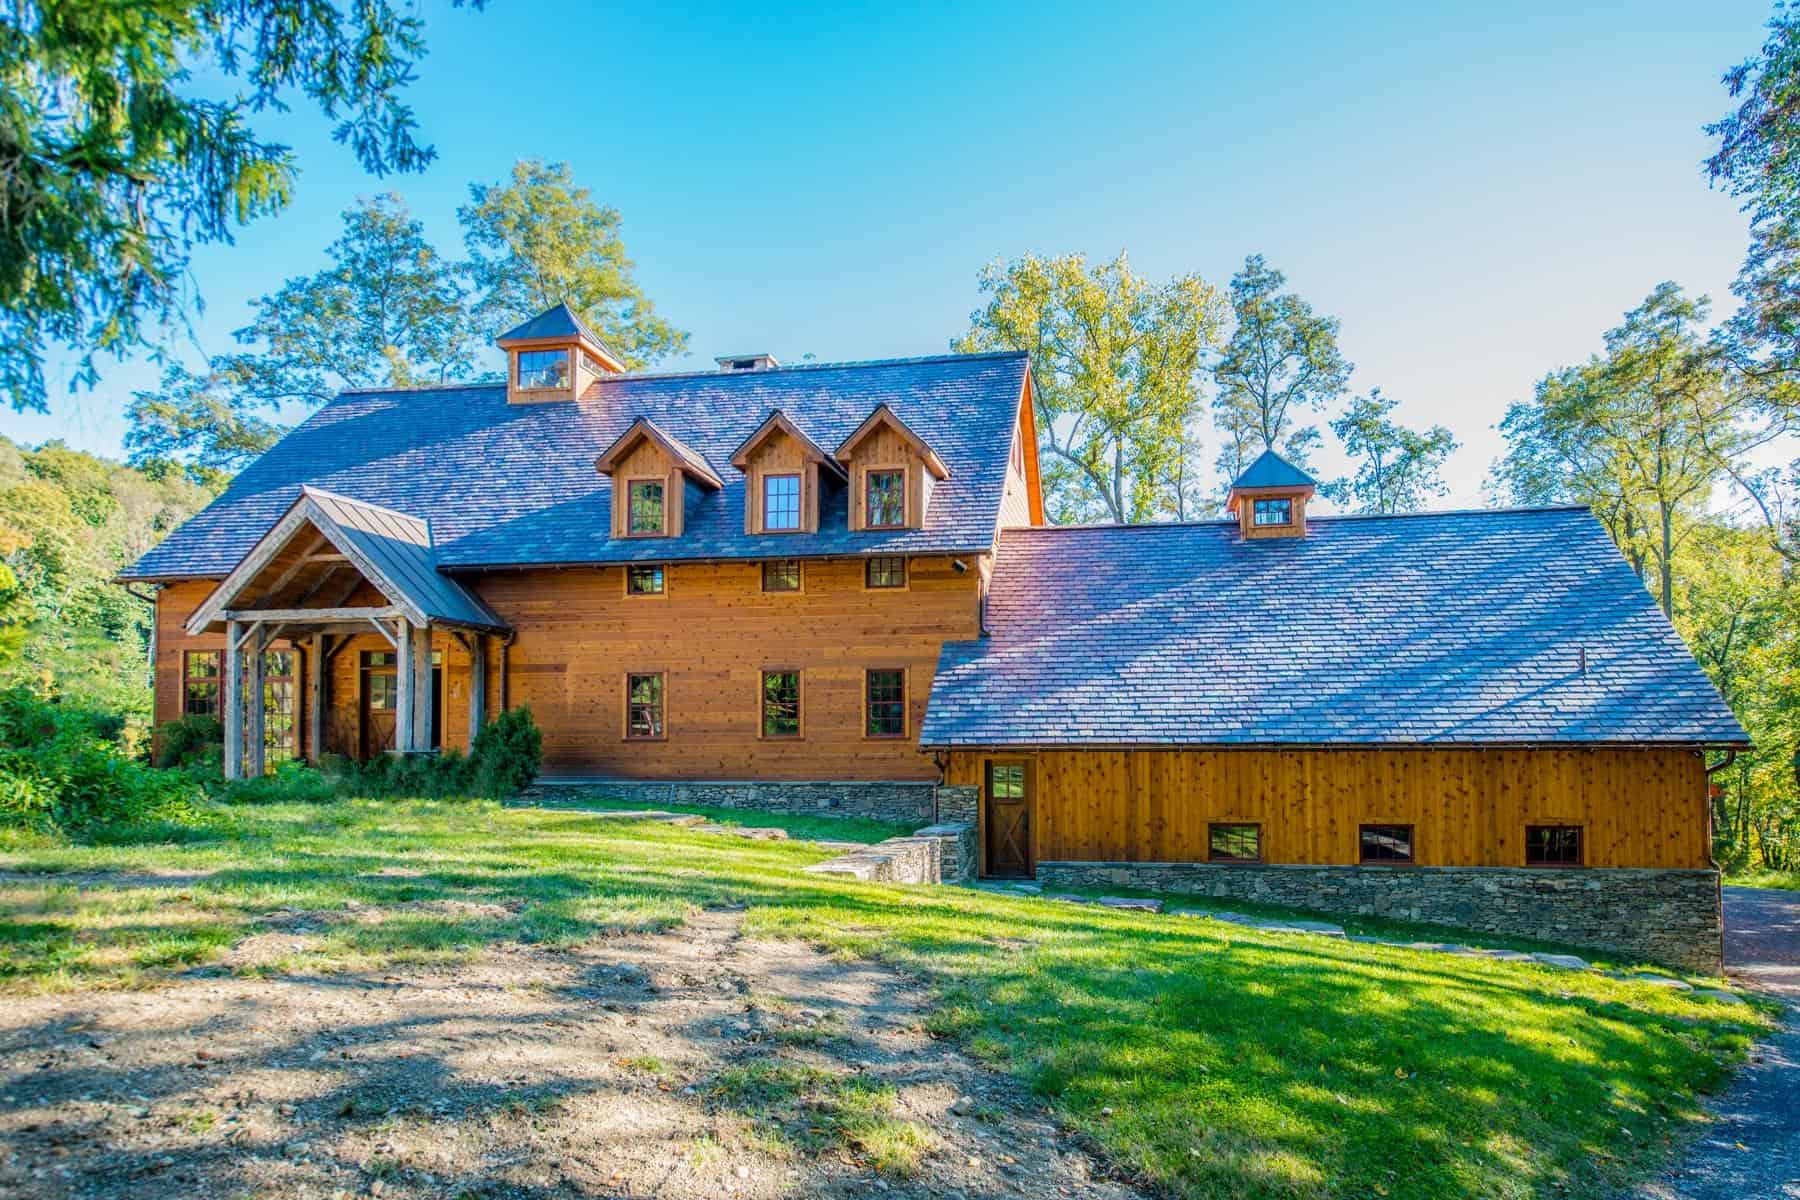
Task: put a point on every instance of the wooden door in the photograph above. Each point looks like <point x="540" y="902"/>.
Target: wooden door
<point x="1008" y="821"/>
<point x="380" y="693"/>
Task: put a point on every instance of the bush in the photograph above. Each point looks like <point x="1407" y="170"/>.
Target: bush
<point x="507" y="754"/>
<point x="291" y="783"/>
<point x="188" y="740"/>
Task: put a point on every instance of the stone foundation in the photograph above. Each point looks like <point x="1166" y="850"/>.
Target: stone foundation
<point x="936" y="854"/>
<point x="898" y="803"/>
<point x="957" y="803"/>
<point x="1667" y="916"/>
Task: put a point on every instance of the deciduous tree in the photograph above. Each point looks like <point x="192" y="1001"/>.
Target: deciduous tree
<point x="1398" y="468"/>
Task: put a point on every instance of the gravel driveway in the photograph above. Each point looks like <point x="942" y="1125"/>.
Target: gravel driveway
<point x="1754" y="1150"/>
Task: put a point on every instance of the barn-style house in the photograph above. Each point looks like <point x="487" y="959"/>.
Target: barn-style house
<point x="832" y="587"/>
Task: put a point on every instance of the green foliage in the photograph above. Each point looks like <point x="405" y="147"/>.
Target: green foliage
<point x="188" y="739"/>
<point x="1397" y="468"/>
<point x="63" y="769"/>
<point x="1282" y="361"/>
<point x="196" y="424"/>
<point x="1116" y="362"/>
<point x="289" y="783"/>
<point x="507" y="754"/>
<point x="112" y="168"/>
<point x="540" y="238"/>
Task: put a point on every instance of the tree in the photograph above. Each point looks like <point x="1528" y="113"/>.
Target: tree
<point x="1115" y="362"/>
<point x="1398" y="468"/>
<point x="1282" y="361"/>
<point x="196" y="424"/>
<point x="110" y="175"/>
<point x="539" y="239"/>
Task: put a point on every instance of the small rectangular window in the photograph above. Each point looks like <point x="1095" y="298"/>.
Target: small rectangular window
<point x="1386" y="843"/>
<point x="645" y="512"/>
<point x="1234" y="843"/>
<point x="886" y="703"/>
<point x="886" y="499"/>
<point x="885" y="571"/>
<point x="592" y="365"/>
<point x="781" y="503"/>
<point x="644" y="580"/>
<point x="781" y="575"/>
<point x="1006" y="781"/>
<point x="543" y="368"/>
<point x="781" y="704"/>
<point x="1274" y="512"/>
<point x="1553" y="846"/>
<point x="644" y="705"/>
<point x="200" y="683"/>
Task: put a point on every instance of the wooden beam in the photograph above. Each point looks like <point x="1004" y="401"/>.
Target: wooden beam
<point x="299" y="564"/>
<point x="423" y="710"/>
<point x="313" y="616"/>
<point x="254" y="723"/>
<point x="403" y="686"/>
<point x="477" y="685"/>
<point x="232" y="705"/>
<point x="385" y="632"/>
<point x="315" y="697"/>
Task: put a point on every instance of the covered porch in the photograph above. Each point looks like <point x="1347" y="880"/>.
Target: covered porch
<point x="329" y="572"/>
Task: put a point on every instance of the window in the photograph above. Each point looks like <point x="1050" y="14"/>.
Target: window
<point x="380" y="683"/>
<point x="1553" y="845"/>
<point x="645" y="498"/>
<point x="885" y="571"/>
<point x="885" y="501"/>
<point x="1234" y="843"/>
<point x="543" y="368"/>
<point x="1273" y="512"/>
<point x="781" y="575"/>
<point x="278" y="706"/>
<point x="592" y="365"/>
<point x="781" y="503"/>
<point x="1006" y="781"/>
<point x="644" y="581"/>
<point x="200" y="683"/>
<point x="1386" y="843"/>
<point x="644" y="706"/>
<point x="886" y="703"/>
<point x="781" y="704"/>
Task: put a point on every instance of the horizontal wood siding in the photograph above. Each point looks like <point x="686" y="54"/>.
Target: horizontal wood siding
<point x="1639" y="808"/>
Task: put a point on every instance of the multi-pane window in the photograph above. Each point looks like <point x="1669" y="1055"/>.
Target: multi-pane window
<point x="278" y="706"/>
<point x="1273" y="512"/>
<point x="644" y="580"/>
<point x="781" y="703"/>
<point x="886" y="499"/>
<point x="1553" y="845"/>
<point x="592" y="365"/>
<point x="200" y="683"/>
<point x="886" y="703"/>
<point x="380" y="683"/>
<point x="645" y="501"/>
<point x="543" y="368"/>
<point x="644" y="706"/>
<point x="781" y="503"/>
<point x="885" y="571"/>
<point x="1385" y="843"/>
<point x="781" y="575"/>
<point x="1006" y="781"/>
<point x="1234" y="843"/>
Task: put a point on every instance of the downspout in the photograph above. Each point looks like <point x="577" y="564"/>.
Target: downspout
<point x="505" y="670"/>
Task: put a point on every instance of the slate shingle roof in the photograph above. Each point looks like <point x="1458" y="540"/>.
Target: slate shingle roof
<point x="1442" y="628"/>
<point x="515" y="485"/>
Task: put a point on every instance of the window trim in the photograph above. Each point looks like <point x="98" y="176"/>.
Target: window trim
<point x="799" y="577"/>
<point x="662" y="704"/>
<point x="1412" y="844"/>
<point x="217" y="680"/>
<point x="762" y="721"/>
<point x="659" y="594"/>
<point x="762" y="501"/>
<point x="905" y="705"/>
<point x="289" y="748"/>
<point x="1252" y="825"/>
<point x="631" y="481"/>
<point x="1580" y="845"/>
<point x="1257" y="502"/>
<point x="873" y="469"/>
<point x="905" y="573"/>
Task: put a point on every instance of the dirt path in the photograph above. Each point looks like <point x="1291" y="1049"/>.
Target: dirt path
<point x="691" y="1064"/>
<point x="1754" y="1150"/>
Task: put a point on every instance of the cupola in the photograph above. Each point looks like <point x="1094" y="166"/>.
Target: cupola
<point x="554" y="356"/>
<point x="1269" y="498"/>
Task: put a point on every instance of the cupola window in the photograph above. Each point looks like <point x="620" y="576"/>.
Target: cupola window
<point x="543" y="369"/>
<point x="1274" y="512"/>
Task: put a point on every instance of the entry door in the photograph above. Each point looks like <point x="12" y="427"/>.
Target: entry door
<point x="1008" y="821"/>
<point x="380" y="692"/>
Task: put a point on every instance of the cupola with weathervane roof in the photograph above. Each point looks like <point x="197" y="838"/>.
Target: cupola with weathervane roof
<point x="1269" y="498"/>
<point x="554" y="356"/>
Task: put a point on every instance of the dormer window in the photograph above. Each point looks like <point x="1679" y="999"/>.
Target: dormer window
<point x="784" y="473"/>
<point x="543" y="369"/>
<point x="781" y="503"/>
<point x="892" y="472"/>
<point x="554" y="356"/>
<point x="886" y="499"/>
<point x="1274" y="512"/>
<point x="652" y="477"/>
<point x="646" y="507"/>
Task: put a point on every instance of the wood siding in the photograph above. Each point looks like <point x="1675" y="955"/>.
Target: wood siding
<point x="1638" y="808"/>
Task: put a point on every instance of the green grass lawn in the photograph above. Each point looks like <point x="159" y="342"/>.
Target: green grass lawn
<point x="1786" y="880"/>
<point x="1208" y="1059"/>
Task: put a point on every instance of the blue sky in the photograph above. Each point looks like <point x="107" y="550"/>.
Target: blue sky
<point x="1477" y="192"/>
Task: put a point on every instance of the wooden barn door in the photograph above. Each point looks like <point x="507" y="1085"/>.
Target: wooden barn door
<point x="380" y="694"/>
<point x="1008" y="821"/>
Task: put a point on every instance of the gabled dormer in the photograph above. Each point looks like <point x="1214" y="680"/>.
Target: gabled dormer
<point x="783" y="469"/>
<point x="654" y="478"/>
<point x="554" y="356"/>
<point x="1269" y="498"/>
<point x="892" y="471"/>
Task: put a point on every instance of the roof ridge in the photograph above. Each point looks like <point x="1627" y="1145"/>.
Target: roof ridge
<point x="1516" y="510"/>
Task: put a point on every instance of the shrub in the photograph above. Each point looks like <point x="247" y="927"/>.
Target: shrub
<point x="507" y="754"/>
<point x="188" y="740"/>
<point x="291" y="783"/>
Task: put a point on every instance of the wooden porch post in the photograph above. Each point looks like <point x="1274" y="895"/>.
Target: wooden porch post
<point x="232" y="702"/>
<point x="477" y="685"/>
<point x="403" y="685"/>
<point x="253" y="733"/>
<point x="315" y="698"/>
<point x="421" y="689"/>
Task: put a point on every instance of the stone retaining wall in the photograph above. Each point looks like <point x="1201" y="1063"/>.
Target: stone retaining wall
<point x="935" y="854"/>
<point x="1667" y="916"/>
<point x="898" y="803"/>
<point x="957" y="803"/>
